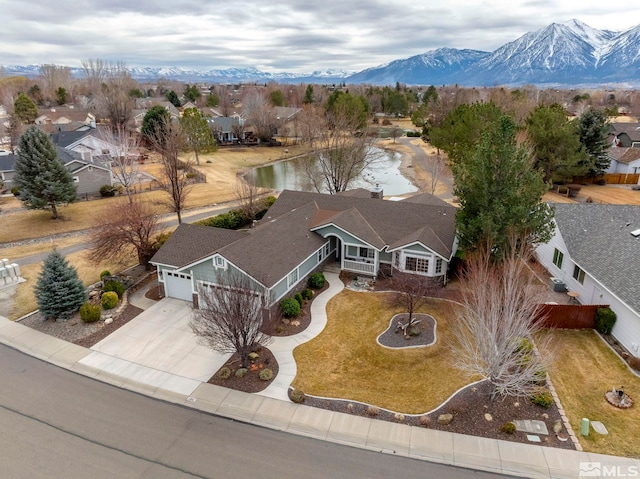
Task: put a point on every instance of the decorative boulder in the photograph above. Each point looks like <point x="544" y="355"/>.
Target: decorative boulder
<point x="445" y="419"/>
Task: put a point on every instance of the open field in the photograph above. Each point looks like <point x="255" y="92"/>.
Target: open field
<point x="355" y="367"/>
<point x="583" y="370"/>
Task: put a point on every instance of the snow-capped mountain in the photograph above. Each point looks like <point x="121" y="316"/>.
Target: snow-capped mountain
<point x="433" y="67"/>
<point x="569" y="54"/>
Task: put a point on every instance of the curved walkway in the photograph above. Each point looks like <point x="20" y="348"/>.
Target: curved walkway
<point x="282" y="347"/>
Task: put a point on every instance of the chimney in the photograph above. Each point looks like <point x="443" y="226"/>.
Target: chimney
<point x="376" y="192"/>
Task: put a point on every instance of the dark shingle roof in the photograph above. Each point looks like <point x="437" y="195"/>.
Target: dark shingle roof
<point x="190" y="243"/>
<point x="598" y="238"/>
<point x="66" y="138"/>
<point x="392" y="221"/>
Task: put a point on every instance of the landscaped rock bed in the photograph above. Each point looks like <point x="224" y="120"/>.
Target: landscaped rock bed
<point x="473" y="412"/>
<point x="250" y="382"/>
<point x="392" y="337"/>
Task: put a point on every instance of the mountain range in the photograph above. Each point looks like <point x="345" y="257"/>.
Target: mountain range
<point x="561" y="54"/>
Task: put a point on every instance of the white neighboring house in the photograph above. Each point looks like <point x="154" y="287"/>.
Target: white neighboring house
<point x="595" y="251"/>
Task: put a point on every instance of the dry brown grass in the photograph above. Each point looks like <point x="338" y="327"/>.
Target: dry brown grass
<point x="25" y="300"/>
<point x="40" y="247"/>
<point x="345" y="361"/>
<point x="583" y="370"/>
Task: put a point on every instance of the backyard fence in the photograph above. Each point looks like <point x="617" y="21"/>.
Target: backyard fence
<point x="622" y="178"/>
<point x="570" y="316"/>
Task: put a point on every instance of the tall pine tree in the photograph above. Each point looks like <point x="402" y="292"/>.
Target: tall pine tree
<point x="59" y="291"/>
<point x="42" y="179"/>
<point x="593" y="129"/>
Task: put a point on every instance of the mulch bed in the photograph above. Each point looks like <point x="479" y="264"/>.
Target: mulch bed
<point x="251" y="382"/>
<point x="128" y="313"/>
<point x="468" y="408"/>
<point x="154" y="293"/>
<point x="392" y="337"/>
<point x="281" y="326"/>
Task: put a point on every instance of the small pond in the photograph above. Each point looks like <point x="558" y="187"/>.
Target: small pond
<point x="290" y="175"/>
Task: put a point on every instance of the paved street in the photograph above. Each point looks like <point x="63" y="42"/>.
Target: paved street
<point x="59" y="424"/>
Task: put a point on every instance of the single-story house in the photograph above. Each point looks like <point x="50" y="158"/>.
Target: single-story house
<point x="358" y="231"/>
<point x="227" y="129"/>
<point x="64" y="118"/>
<point x="595" y="251"/>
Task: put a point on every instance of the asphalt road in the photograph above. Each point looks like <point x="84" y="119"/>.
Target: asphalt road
<point x="57" y="424"/>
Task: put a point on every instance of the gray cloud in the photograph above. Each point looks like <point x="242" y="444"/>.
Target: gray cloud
<point x="289" y="35"/>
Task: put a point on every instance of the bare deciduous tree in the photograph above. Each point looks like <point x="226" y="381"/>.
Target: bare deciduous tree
<point x="53" y="77"/>
<point x="435" y="167"/>
<point x="248" y="196"/>
<point x="412" y="291"/>
<point x="229" y="318"/>
<point x="499" y="319"/>
<point x="168" y="141"/>
<point x="113" y="98"/>
<point x="134" y="229"/>
<point x="123" y="164"/>
<point x="259" y="114"/>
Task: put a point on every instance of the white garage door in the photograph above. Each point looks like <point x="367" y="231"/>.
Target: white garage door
<point x="178" y="285"/>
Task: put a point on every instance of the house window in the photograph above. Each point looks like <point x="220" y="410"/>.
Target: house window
<point x="396" y="260"/>
<point x="558" y="256"/>
<point x="439" y="266"/>
<point x="219" y="262"/>
<point x="76" y="179"/>
<point x="292" y="278"/>
<point x="367" y="253"/>
<point x="419" y="265"/>
<point x="361" y="253"/>
<point x="578" y="274"/>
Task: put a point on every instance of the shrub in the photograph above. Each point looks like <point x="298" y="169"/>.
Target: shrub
<point x="574" y="190"/>
<point x="298" y="297"/>
<point x="106" y="272"/>
<point x="600" y="181"/>
<point x="508" y="427"/>
<point x="297" y="396"/>
<point x="524" y="346"/>
<point x="372" y="411"/>
<point x="115" y="286"/>
<point x="224" y="373"/>
<point x="540" y="376"/>
<point x="109" y="300"/>
<point x="544" y="399"/>
<point x="634" y="362"/>
<point x="316" y="280"/>
<point x="15" y="191"/>
<point x="562" y="190"/>
<point x="241" y="372"/>
<point x="107" y="191"/>
<point x="89" y="313"/>
<point x="266" y="374"/>
<point x="307" y="294"/>
<point x="605" y="320"/>
<point x="232" y="220"/>
<point x="290" y="308"/>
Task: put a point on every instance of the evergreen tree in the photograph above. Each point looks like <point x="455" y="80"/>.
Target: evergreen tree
<point x="213" y="100"/>
<point x="558" y="151"/>
<point x="191" y="93"/>
<point x="153" y="123"/>
<point x="25" y="109"/>
<point x="172" y="96"/>
<point x="197" y="133"/>
<point x="42" y="179"/>
<point x="592" y="128"/>
<point x="308" y="95"/>
<point x="59" y="291"/>
<point x="61" y="95"/>
<point x="500" y="192"/>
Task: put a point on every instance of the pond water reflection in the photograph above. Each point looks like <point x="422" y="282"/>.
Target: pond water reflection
<point x="290" y="175"/>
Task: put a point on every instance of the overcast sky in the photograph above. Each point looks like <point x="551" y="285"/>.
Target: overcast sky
<point x="293" y="35"/>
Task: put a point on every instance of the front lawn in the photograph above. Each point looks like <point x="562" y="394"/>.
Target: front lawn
<point x="583" y="370"/>
<point x="345" y="361"/>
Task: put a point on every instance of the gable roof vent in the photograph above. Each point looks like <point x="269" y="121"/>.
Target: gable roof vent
<point x="635" y="233"/>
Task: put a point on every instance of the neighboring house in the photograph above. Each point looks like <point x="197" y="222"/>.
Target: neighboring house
<point x="88" y="143"/>
<point x="227" y="129"/>
<point x="7" y="160"/>
<point x="64" y="118"/>
<point x="625" y="135"/>
<point x="285" y="120"/>
<point x="623" y="160"/>
<point x="595" y="250"/>
<point x="301" y="232"/>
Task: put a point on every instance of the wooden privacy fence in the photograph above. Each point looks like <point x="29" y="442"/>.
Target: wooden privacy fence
<point x="622" y="178"/>
<point x="570" y="316"/>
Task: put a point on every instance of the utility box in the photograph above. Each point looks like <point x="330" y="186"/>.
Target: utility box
<point x="558" y="285"/>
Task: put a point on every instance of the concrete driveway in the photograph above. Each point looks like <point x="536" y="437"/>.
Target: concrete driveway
<point x="158" y="348"/>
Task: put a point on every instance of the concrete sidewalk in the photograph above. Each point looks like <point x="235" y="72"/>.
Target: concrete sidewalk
<point x="517" y="459"/>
